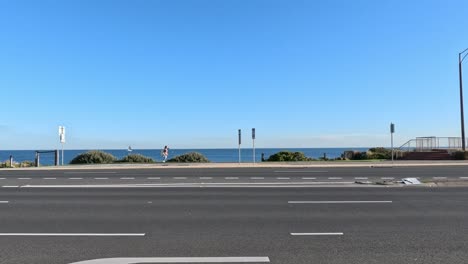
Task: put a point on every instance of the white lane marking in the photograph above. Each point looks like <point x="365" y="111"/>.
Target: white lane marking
<point x="387" y="178"/>
<point x="101" y="178"/>
<point x="464" y="178"/>
<point x="153" y="178"/>
<point x="23" y="178"/>
<point x="4" y="202"/>
<point x="335" y="202"/>
<point x="206" y="178"/>
<point x="360" y="178"/>
<point x="90" y="172"/>
<point x="335" y="178"/>
<point x="176" y="260"/>
<point x="2" y="178"/>
<point x="127" y="178"/>
<point x="300" y="171"/>
<point x="196" y="185"/>
<point x="75" y="178"/>
<point x="257" y="178"/>
<point x="10" y="186"/>
<point x="231" y="178"/>
<point x="75" y="234"/>
<point x="436" y="178"/>
<point x="180" y="178"/>
<point x="317" y="234"/>
<point x="283" y="178"/>
<point x="49" y="178"/>
<point x="309" y="178"/>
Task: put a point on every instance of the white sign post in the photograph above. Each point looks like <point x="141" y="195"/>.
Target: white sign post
<point x="62" y="138"/>
<point x="239" y="146"/>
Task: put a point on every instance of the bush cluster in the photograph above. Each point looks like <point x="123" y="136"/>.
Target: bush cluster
<point x="137" y="158"/>
<point x="93" y="157"/>
<point x="190" y="157"/>
<point x="459" y="155"/>
<point x="289" y="156"/>
<point x="379" y="153"/>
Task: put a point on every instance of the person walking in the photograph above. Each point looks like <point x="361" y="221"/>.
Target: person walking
<point x="165" y="153"/>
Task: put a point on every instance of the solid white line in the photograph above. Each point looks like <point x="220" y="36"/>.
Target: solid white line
<point x="23" y="178"/>
<point x="316" y="234"/>
<point x="257" y="178"/>
<point x="154" y="178"/>
<point x="176" y="260"/>
<point x="335" y="178"/>
<point x="101" y="178"/>
<point x="74" y="234"/>
<point x="127" y="178"/>
<point x="231" y="178"/>
<point x="283" y="178"/>
<point x="300" y="171"/>
<point x="49" y="178"/>
<point x="206" y="178"/>
<point x="180" y="178"/>
<point x="75" y="178"/>
<point x="309" y="178"/>
<point x="4" y="202"/>
<point x="335" y="202"/>
<point x="10" y="186"/>
<point x="360" y="178"/>
<point x="387" y="178"/>
<point x="90" y="172"/>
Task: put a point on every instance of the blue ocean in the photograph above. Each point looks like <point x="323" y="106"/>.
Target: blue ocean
<point x="214" y="155"/>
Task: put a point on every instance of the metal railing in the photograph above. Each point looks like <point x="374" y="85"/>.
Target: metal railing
<point x="421" y="144"/>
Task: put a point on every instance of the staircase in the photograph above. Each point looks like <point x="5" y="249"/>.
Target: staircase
<point x="435" y="154"/>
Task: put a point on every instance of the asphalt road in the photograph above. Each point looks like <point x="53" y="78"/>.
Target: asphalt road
<point x="229" y="175"/>
<point x="331" y="225"/>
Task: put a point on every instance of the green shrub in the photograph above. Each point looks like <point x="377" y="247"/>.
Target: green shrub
<point x="93" y="157"/>
<point x="26" y="163"/>
<point x="379" y="153"/>
<point x="288" y="156"/>
<point x="359" y="155"/>
<point x="189" y="157"/>
<point x="137" y="158"/>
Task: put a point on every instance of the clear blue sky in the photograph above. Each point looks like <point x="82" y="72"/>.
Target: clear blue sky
<point x="188" y="74"/>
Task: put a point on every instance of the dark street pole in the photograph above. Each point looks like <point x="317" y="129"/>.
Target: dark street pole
<point x="460" y="60"/>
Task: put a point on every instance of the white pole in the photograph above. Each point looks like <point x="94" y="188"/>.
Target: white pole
<point x="392" y="146"/>
<point x="239" y="154"/>
<point x="62" y="154"/>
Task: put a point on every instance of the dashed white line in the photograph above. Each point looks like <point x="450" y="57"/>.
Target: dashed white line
<point x="127" y="178"/>
<point x="4" y="202"/>
<point x="153" y="178"/>
<point x="2" y="178"/>
<point x="317" y="234"/>
<point x="10" y="186"/>
<point x="283" y="178"/>
<point x="335" y="178"/>
<point x="309" y="178"/>
<point x="74" y="234"/>
<point x="176" y="260"/>
<point x="180" y="178"/>
<point x="257" y="178"/>
<point x="300" y="171"/>
<point x="360" y="178"/>
<point x="206" y="178"/>
<point x="335" y="202"/>
<point x="231" y="178"/>
<point x="387" y="178"/>
<point x="75" y="178"/>
<point x="101" y="178"/>
<point x="49" y="178"/>
<point x="438" y="178"/>
<point x="90" y="172"/>
<point x="23" y="178"/>
<point x="464" y="178"/>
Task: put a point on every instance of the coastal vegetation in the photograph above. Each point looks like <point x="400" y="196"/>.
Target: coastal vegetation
<point x="94" y="157"/>
<point x="192" y="157"/>
<point x="136" y="158"/>
<point x="289" y="156"/>
<point x="22" y="164"/>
